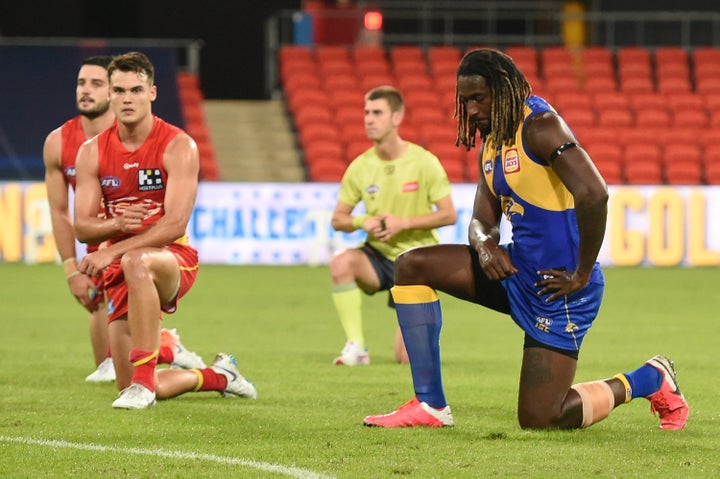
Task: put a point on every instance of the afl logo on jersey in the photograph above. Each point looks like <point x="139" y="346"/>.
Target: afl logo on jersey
<point x="110" y="182"/>
<point x="488" y="166"/>
<point x="70" y="172"/>
<point x="511" y="162"/>
<point x="372" y="189"/>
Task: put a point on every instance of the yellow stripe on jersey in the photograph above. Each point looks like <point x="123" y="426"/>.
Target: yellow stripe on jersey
<point x="413" y="294"/>
<point x="539" y="185"/>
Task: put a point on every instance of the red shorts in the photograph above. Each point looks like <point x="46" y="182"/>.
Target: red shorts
<point x="117" y="291"/>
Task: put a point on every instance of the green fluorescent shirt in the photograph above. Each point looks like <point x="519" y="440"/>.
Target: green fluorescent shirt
<point x="405" y="187"/>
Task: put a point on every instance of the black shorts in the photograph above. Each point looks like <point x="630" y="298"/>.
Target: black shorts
<point x="384" y="268"/>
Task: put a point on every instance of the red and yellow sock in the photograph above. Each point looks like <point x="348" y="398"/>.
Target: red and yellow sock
<point x="145" y="363"/>
<point x="166" y="355"/>
<point x="209" y="380"/>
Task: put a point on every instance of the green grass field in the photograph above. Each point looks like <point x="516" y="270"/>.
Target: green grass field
<point x="307" y="422"/>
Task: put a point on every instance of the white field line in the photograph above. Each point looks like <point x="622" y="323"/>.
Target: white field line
<point x="263" y="466"/>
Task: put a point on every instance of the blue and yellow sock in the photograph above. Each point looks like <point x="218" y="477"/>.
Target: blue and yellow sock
<point x="643" y="381"/>
<point x="420" y="319"/>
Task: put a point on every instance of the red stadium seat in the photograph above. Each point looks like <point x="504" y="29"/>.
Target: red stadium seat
<point x="653" y="118"/>
<point x="362" y="53"/>
<point x="446" y="151"/>
<point x="341" y="81"/>
<point x="312" y="113"/>
<point x="597" y="84"/>
<point x="712" y="173"/>
<point x="372" y="67"/>
<point x="616" y="118"/>
<point x="636" y="85"/>
<point x="597" y="54"/>
<point x="611" y="171"/>
<point x="318" y="131"/>
<point x="443" y="53"/>
<point x="400" y="53"/>
<point x="684" y="172"/>
<point x="356" y="148"/>
<point x="643" y="172"/>
<point x="690" y="118"/>
<point x="323" y="149"/>
<point x="578" y="117"/>
<point x="326" y="170"/>
<point x="455" y="170"/>
<point x="603" y="100"/>
<point x="641" y="101"/>
<point x="600" y="135"/>
<point x="643" y="151"/>
<point x="439" y="133"/>
<point x="331" y="53"/>
<point x="679" y="153"/>
<point x="572" y="100"/>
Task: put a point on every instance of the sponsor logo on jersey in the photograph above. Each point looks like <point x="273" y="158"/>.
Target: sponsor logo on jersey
<point x="150" y="179"/>
<point x="511" y="162"/>
<point x="127" y="166"/>
<point x="410" y="186"/>
<point x="110" y="182"/>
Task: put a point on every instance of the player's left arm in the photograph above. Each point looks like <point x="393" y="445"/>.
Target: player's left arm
<point x="545" y="136"/>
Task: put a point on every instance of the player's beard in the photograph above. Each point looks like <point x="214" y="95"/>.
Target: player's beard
<point x="484" y="130"/>
<point x="99" y="110"/>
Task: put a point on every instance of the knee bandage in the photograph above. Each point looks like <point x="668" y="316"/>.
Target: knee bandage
<point x="597" y="401"/>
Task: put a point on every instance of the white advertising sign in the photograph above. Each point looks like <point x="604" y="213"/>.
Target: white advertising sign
<point x="289" y="223"/>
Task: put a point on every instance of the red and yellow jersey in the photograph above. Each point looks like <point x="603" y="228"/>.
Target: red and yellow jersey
<point x="73" y="137"/>
<point x="134" y="177"/>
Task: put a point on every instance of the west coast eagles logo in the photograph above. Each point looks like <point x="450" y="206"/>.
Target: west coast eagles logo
<point x="150" y="179"/>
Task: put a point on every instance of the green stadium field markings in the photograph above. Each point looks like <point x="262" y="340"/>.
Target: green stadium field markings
<point x="295" y="472"/>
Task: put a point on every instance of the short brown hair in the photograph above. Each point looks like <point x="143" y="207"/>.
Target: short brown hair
<point x="391" y="94"/>
<point x="135" y="62"/>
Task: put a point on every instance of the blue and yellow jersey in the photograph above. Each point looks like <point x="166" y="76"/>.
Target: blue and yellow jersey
<point x="536" y="202"/>
<point x="405" y="187"/>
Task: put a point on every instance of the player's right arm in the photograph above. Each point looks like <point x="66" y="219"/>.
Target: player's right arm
<point x="89" y="226"/>
<point x="57" y="193"/>
<point x="484" y="234"/>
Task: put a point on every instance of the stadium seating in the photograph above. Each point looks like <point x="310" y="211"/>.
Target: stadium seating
<point x="193" y="112"/>
<point x="626" y="98"/>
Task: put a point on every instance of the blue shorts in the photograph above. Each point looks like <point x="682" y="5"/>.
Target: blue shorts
<point x="560" y="325"/>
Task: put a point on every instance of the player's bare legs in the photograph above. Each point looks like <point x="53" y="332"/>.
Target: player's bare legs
<point x="152" y="276"/>
<point x="99" y="333"/>
<point x="545" y="398"/>
<point x="120" y="345"/>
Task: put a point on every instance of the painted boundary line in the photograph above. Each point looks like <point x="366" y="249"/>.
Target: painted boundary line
<point x="263" y="466"/>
